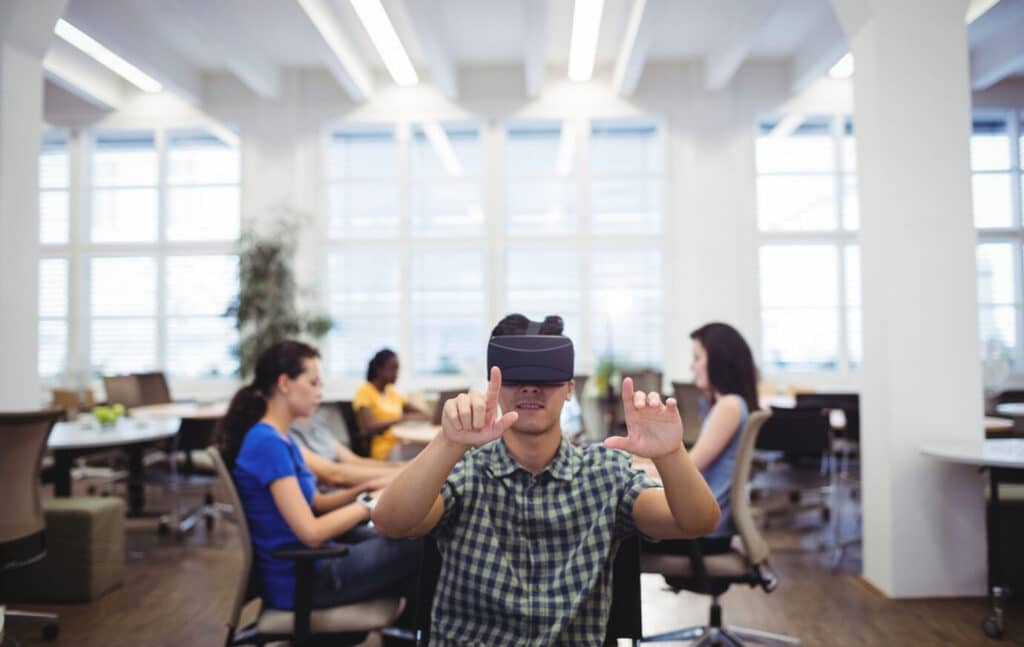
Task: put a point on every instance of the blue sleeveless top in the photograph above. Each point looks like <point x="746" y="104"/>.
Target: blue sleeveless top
<point x="719" y="474"/>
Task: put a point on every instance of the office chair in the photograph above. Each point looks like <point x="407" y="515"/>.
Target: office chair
<point x="153" y="388"/>
<point x="23" y="438"/>
<point x="689" y="398"/>
<point x="713" y="574"/>
<point x="797" y="446"/>
<point x="356" y="441"/>
<point x="343" y="625"/>
<point x="624" y="617"/>
<point x="443" y="397"/>
<point x="184" y="473"/>
<point x="123" y="389"/>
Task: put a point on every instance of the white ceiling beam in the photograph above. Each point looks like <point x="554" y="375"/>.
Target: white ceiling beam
<point x="202" y="18"/>
<point x="977" y="8"/>
<point x="998" y="57"/>
<point x="83" y="77"/>
<point x="423" y="18"/>
<point x="28" y="24"/>
<point x="340" y="57"/>
<point x="629" y="66"/>
<point x="726" y="57"/>
<point x="139" y="46"/>
<point x="535" y="20"/>
<point x="823" y="49"/>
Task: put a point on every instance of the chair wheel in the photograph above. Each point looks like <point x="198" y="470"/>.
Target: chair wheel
<point x="51" y="631"/>
<point x="991" y="628"/>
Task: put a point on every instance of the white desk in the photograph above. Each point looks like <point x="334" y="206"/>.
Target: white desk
<point x="69" y="440"/>
<point x="1004" y="459"/>
<point x="1010" y="409"/>
<point x="203" y="411"/>
<point x="415" y="433"/>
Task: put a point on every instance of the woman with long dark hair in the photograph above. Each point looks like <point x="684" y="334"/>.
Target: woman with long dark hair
<point x="279" y="495"/>
<point x="379" y="405"/>
<point x="723" y="368"/>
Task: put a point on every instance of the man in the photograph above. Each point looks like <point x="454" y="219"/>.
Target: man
<point x="527" y="525"/>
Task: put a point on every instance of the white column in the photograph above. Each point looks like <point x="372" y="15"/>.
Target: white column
<point x="25" y="30"/>
<point x="924" y="524"/>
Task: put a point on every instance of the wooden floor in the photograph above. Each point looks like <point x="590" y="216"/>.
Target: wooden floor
<point x="179" y="594"/>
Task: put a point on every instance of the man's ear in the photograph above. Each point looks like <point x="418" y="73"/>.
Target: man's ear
<point x="570" y="390"/>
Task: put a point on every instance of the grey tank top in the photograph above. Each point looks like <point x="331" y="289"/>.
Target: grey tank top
<point x="719" y="474"/>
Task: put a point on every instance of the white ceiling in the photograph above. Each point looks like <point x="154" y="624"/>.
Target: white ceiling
<point x="179" y="40"/>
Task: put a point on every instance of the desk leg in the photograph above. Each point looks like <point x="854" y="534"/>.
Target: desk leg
<point x="136" y="481"/>
<point x="62" y="473"/>
<point x="993" y="625"/>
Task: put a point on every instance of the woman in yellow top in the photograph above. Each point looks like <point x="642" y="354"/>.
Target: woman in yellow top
<point x="379" y="405"/>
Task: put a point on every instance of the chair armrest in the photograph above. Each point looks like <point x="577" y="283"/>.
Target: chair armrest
<point x="303" y="553"/>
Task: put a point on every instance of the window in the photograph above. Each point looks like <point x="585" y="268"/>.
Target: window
<point x="152" y="245"/>
<point x="997" y="184"/>
<point x="809" y="262"/>
<point x="430" y="275"/>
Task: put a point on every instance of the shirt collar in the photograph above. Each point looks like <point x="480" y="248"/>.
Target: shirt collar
<point x="562" y="467"/>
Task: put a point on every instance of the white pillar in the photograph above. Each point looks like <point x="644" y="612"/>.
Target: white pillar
<point x="924" y="525"/>
<point x="26" y="27"/>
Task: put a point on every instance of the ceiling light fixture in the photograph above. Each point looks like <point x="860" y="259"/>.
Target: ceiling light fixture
<point x="104" y="56"/>
<point x="376" y="22"/>
<point x="843" y="69"/>
<point x="586" y="24"/>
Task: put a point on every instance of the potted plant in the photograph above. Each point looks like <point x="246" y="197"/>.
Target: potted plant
<point x="266" y="309"/>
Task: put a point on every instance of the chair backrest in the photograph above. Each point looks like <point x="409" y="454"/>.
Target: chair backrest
<point x="688" y="398"/>
<point x="644" y="379"/>
<point x="153" y="388"/>
<point x="123" y="389"/>
<point x="797" y="432"/>
<point x="848" y="403"/>
<point x="443" y="397"/>
<point x="624" y="617"/>
<point x="22" y="444"/>
<point x="226" y="492"/>
<point x="754" y="544"/>
<point x="356" y="442"/>
<point x="71" y="401"/>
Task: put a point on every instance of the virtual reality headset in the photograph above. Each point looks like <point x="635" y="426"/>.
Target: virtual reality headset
<point x="531" y="358"/>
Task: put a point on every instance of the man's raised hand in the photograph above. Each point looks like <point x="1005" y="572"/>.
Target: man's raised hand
<point x="472" y="418"/>
<point x="653" y="428"/>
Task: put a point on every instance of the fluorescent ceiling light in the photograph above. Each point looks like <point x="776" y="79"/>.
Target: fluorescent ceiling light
<point x="977" y="9"/>
<point x="567" y="147"/>
<point x="843" y="69"/>
<point x="787" y="126"/>
<point x="376" y="22"/>
<point x="586" y="24"/>
<point x="442" y="148"/>
<point x="115" y="63"/>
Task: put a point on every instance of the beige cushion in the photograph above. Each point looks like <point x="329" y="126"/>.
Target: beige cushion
<point x="730" y="564"/>
<point x="361" y="616"/>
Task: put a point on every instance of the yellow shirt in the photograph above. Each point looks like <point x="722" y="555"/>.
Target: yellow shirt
<point x="383" y="406"/>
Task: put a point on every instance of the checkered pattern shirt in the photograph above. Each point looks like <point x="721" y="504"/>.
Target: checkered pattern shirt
<point x="527" y="559"/>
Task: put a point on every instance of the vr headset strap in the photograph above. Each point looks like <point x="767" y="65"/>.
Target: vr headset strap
<point x="533" y="328"/>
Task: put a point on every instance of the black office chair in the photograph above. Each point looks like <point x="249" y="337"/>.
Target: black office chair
<point x="342" y="625"/>
<point x="188" y="469"/>
<point x="356" y="441"/>
<point x="23" y="439"/>
<point x="624" y="617"/>
<point x="689" y="568"/>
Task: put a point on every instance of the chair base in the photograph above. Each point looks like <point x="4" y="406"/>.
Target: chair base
<point x="708" y="636"/>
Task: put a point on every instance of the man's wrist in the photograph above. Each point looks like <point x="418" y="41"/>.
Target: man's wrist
<point x="673" y="455"/>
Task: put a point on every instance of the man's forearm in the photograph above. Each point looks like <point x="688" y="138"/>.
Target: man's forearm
<point x="407" y="501"/>
<point x="689" y="498"/>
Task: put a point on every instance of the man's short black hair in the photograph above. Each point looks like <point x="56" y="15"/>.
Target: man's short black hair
<point x="517" y="324"/>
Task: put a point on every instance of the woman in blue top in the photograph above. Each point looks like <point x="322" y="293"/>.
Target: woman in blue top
<point x="280" y="498"/>
<point x="723" y="368"/>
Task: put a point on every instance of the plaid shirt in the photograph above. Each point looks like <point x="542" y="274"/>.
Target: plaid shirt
<point x="527" y="559"/>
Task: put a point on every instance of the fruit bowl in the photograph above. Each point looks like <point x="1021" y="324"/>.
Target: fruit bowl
<point x="107" y="416"/>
